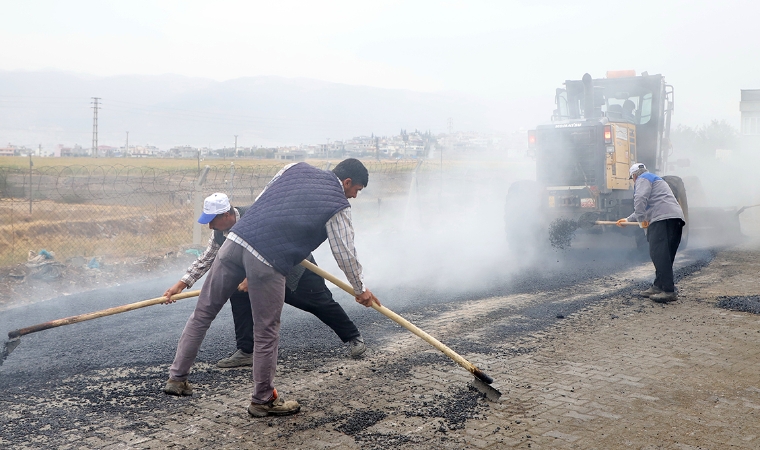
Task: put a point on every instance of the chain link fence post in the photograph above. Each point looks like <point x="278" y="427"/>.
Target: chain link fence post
<point x="412" y="213"/>
<point x="198" y="205"/>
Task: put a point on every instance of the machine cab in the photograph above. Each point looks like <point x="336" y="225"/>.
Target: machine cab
<point x="645" y="102"/>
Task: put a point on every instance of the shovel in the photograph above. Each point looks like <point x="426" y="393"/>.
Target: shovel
<point x="588" y="222"/>
<point x="482" y="380"/>
<point x="14" y="337"/>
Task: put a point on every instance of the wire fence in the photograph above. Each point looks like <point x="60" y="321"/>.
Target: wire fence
<point x="127" y="211"/>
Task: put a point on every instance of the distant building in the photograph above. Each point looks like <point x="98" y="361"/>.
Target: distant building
<point x="7" y="151"/>
<point x="750" y="110"/>
<point x="66" y="152"/>
<point x="107" y="151"/>
<point x="289" y="154"/>
<point x="184" y="151"/>
<point x="139" y="151"/>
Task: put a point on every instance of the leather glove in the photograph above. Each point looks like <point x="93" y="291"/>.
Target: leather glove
<point x="620" y="222"/>
<point x="643" y="224"/>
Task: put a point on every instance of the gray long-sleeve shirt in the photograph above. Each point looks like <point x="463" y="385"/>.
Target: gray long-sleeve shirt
<point x="653" y="200"/>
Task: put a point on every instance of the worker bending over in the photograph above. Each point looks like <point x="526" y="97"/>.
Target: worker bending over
<point x="304" y="290"/>
<point x="657" y="210"/>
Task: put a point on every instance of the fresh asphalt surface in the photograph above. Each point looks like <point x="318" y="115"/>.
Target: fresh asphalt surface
<point x="149" y="336"/>
<point x="56" y="363"/>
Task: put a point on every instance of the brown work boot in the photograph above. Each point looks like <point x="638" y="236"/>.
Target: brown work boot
<point x="664" y="297"/>
<point x="237" y="359"/>
<point x="275" y="407"/>
<point x="651" y="291"/>
<point x="178" y="388"/>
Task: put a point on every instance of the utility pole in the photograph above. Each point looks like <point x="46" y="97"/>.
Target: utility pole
<point x="31" y="185"/>
<point x="95" y="108"/>
<point x="126" y="146"/>
<point x="236" y="145"/>
<point x="450" y="123"/>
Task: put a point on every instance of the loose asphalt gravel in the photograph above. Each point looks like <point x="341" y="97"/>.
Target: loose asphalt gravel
<point x="749" y="303"/>
<point x="54" y="364"/>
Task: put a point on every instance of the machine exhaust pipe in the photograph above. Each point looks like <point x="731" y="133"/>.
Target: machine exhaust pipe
<point x="588" y="93"/>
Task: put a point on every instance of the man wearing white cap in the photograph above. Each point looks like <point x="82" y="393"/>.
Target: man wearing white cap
<point x="304" y="289"/>
<point x="656" y="209"/>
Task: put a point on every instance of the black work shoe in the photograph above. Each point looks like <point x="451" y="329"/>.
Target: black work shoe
<point x="275" y="407"/>
<point x="664" y="297"/>
<point x="178" y="388"/>
<point x="651" y="291"/>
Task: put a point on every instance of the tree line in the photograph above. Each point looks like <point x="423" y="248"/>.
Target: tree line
<point x="705" y="139"/>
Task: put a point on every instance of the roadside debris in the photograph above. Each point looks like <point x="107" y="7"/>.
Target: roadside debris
<point x="43" y="265"/>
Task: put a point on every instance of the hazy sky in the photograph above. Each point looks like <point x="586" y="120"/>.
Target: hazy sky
<point x="506" y="49"/>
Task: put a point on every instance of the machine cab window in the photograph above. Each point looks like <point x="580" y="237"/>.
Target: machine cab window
<point x="623" y="107"/>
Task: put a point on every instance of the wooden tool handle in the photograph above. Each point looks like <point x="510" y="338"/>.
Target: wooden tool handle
<point x="94" y="315"/>
<point x="403" y="322"/>
<point x="610" y="222"/>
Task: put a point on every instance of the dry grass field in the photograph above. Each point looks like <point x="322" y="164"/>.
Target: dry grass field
<point x="22" y="162"/>
<point x="126" y="207"/>
<point x="90" y="230"/>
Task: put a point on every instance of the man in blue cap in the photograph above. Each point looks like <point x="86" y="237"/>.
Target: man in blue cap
<point x="304" y="290"/>
<point x="657" y="210"/>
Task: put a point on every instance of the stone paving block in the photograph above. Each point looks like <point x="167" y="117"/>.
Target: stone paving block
<point x="645" y="397"/>
<point x="560" y="435"/>
<point x="577" y="415"/>
<point x="605" y="414"/>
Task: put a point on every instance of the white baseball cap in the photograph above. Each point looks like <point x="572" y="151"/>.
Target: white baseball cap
<point x="634" y="168"/>
<point x="214" y="204"/>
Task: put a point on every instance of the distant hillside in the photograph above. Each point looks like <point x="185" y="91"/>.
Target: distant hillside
<point x="49" y="107"/>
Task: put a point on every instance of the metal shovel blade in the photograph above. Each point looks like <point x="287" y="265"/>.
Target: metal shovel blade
<point x="490" y="392"/>
<point x="9" y="346"/>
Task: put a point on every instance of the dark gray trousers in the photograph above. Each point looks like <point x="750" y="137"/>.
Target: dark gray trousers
<point x="266" y="292"/>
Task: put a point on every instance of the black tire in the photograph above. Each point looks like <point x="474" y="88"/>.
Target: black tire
<point x="679" y="191"/>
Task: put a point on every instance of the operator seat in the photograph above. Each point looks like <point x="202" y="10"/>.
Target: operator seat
<point x="615" y="112"/>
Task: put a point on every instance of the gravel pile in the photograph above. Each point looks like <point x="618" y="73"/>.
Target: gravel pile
<point x="748" y="303"/>
<point x="360" y="421"/>
<point x="453" y="411"/>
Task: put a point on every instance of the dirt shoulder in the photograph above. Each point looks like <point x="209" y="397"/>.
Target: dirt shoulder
<point x="21" y="284"/>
